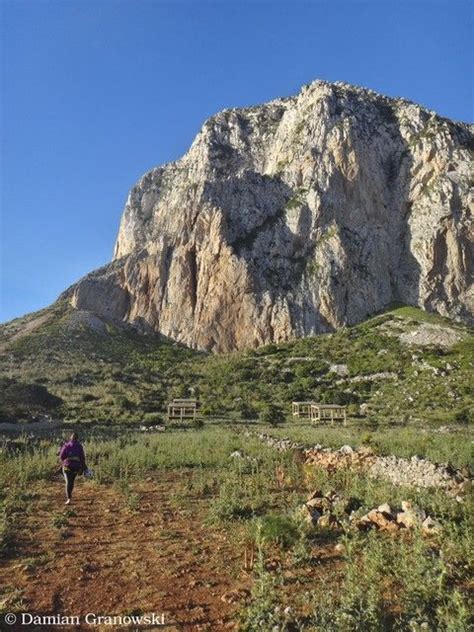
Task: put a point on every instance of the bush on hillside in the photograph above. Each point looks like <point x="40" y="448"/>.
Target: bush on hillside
<point x="464" y="416"/>
<point x="24" y="401"/>
<point x="246" y="410"/>
<point x="272" y="414"/>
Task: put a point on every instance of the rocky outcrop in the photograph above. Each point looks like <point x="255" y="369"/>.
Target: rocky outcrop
<point x="292" y="218"/>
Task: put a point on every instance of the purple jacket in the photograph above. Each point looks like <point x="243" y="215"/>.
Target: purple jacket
<point x="72" y="456"/>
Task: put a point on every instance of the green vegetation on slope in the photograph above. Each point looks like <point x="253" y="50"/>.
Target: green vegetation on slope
<point x="366" y="365"/>
<point x="402" y="366"/>
<point x="102" y="373"/>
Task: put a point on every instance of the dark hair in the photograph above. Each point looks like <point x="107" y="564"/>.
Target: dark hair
<point x="74" y="436"/>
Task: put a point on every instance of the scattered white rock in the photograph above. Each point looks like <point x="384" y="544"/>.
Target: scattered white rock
<point x="430" y="526"/>
<point x="339" y="369"/>
<point x="427" y="334"/>
<point x="346" y="449"/>
<point x="385" y="509"/>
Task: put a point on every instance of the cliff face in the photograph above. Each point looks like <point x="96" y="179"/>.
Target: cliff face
<point x="293" y="218"/>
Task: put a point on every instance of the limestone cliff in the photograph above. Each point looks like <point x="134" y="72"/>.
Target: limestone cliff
<point x="293" y="218"/>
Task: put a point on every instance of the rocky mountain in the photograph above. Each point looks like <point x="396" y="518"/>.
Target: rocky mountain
<point x="292" y="218"/>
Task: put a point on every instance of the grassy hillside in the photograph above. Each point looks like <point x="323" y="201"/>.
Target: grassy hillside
<point x="367" y="367"/>
<point x="402" y="366"/>
<point x="101" y="372"/>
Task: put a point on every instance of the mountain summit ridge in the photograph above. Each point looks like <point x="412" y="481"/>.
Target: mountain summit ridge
<point x="295" y="217"/>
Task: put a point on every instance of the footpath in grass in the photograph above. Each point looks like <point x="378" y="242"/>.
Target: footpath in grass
<point x="118" y="551"/>
<point x="206" y="526"/>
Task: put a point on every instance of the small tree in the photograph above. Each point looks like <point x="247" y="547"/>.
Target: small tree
<point x="464" y="416"/>
<point x="198" y="423"/>
<point x="272" y="414"/>
<point x="246" y="411"/>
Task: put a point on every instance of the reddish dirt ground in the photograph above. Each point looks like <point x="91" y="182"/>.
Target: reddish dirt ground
<point x="109" y="559"/>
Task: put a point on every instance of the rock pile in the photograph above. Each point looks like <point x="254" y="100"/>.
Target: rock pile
<point x="408" y="517"/>
<point x="415" y="472"/>
<point x="281" y="445"/>
<point x="343" y="458"/>
<point x="328" y="510"/>
<point x="157" y="428"/>
<point x="419" y="473"/>
<point x="331" y="510"/>
<point x="427" y="334"/>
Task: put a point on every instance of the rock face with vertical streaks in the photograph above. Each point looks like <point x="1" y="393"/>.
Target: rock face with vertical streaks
<point x="292" y="218"/>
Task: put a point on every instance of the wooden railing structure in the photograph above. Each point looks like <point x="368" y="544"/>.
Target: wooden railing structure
<point x="320" y="413"/>
<point x="182" y="410"/>
<point x="302" y="409"/>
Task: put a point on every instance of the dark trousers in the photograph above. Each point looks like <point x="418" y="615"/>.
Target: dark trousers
<point x="69" y="477"/>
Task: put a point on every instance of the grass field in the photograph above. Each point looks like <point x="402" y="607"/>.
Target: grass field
<point x="172" y="522"/>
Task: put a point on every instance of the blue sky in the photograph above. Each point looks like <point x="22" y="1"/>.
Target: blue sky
<point x="97" y="92"/>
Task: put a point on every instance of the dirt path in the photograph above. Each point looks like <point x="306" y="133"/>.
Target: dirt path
<point x="103" y="557"/>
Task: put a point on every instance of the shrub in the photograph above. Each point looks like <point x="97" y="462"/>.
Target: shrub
<point x="272" y="414"/>
<point x="88" y="397"/>
<point x="229" y="506"/>
<point x="6" y="531"/>
<point x="261" y="613"/>
<point x="464" y="416"/>
<point x="124" y="403"/>
<point x="277" y="529"/>
<point x="150" y="419"/>
<point x="245" y="410"/>
<point x="21" y="400"/>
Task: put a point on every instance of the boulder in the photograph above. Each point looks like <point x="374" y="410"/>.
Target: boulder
<point x="346" y="449"/>
<point x="339" y="369"/>
<point x="328" y="520"/>
<point x="315" y="494"/>
<point x="320" y="504"/>
<point x="430" y="526"/>
<point x="380" y="520"/>
<point x="411" y="516"/>
<point x="386" y="510"/>
<point x="310" y="514"/>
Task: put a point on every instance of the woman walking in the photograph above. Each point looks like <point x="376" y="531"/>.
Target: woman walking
<point x="73" y="462"/>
